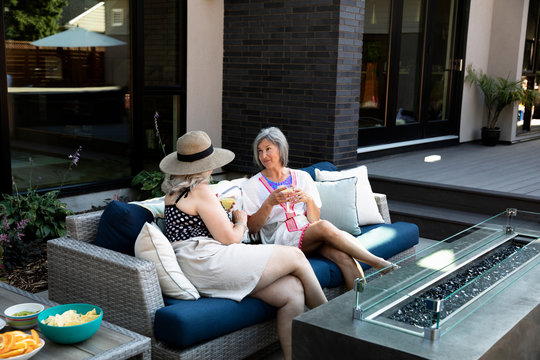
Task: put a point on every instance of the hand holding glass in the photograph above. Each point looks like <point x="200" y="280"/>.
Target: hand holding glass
<point x="289" y="207"/>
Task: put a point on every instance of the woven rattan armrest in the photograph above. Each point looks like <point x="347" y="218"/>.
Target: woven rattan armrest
<point x="382" y="204"/>
<point x="83" y="227"/>
<point x="125" y="287"/>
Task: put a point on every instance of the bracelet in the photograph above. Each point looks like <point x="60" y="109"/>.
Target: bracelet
<point x="243" y="223"/>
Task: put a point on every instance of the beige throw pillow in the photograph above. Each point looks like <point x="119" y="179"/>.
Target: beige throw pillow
<point x="366" y="206"/>
<point x="153" y="245"/>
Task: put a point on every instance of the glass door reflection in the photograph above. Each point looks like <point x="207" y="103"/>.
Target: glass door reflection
<point x="375" y="63"/>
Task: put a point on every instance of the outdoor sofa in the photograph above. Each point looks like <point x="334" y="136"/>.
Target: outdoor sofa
<point x="128" y="291"/>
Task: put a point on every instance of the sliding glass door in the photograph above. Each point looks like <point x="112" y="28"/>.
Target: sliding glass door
<point x="411" y="63"/>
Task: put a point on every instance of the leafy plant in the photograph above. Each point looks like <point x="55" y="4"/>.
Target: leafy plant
<point x="149" y="182"/>
<point x="43" y="216"/>
<point x="45" y="212"/>
<point x="499" y="93"/>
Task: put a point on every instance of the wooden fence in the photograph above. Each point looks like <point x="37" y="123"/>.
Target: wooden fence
<point x="29" y="65"/>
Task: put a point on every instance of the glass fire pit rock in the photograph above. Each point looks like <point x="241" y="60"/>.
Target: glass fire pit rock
<point x="441" y="285"/>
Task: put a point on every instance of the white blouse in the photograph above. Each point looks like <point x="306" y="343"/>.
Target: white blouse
<point x="282" y="227"/>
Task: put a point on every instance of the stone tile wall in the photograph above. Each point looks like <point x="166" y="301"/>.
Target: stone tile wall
<point x="295" y="65"/>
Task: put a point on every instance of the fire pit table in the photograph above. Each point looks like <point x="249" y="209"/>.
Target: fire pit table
<point x="473" y="295"/>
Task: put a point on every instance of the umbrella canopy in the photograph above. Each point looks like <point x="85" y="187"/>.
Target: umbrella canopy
<point x="78" y="37"/>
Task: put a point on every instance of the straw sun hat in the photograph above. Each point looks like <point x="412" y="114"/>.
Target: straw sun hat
<point x="195" y="154"/>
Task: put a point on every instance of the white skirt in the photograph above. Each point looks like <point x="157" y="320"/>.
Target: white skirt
<point x="224" y="271"/>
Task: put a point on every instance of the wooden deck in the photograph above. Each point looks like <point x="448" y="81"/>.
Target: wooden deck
<point x="508" y="169"/>
<point x="470" y="183"/>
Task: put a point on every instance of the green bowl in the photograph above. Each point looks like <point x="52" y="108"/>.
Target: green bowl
<point x="69" y="334"/>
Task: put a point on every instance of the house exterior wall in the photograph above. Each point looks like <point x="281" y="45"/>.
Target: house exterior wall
<point x="294" y="65"/>
<point x="204" y="67"/>
<point x="495" y="46"/>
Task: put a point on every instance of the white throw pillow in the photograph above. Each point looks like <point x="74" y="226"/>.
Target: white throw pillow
<point x="366" y="206"/>
<point x="152" y="245"/>
<point x="337" y="205"/>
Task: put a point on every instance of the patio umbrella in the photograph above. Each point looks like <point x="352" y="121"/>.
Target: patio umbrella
<point x="78" y="37"/>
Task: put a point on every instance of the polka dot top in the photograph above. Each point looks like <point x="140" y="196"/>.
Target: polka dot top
<point x="182" y="226"/>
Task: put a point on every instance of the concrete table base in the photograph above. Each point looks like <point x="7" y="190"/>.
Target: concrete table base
<point x="506" y="327"/>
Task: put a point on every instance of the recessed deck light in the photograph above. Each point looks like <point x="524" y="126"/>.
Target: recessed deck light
<point x="432" y="158"/>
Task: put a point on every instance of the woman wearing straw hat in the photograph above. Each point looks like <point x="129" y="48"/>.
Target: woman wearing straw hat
<point x="208" y="245"/>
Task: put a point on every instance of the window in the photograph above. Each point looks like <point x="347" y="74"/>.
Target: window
<point x="97" y="96"/>
<point x="68" y="89"/>
<point x="117" y="17"/>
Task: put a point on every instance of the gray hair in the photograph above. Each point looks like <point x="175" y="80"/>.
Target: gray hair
<point x="175" y="183"/>
<point x="276" y="137"/>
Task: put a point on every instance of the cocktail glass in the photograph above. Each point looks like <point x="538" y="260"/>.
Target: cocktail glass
<point x="289" y="207"/>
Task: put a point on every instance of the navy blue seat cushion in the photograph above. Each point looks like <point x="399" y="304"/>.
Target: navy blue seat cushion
<point x="380" y="239"/>
<point x="119" y="226"/>
<point x="183" y="323"/>
<point x="323" y="165"/>
<point x="327" y="272"/>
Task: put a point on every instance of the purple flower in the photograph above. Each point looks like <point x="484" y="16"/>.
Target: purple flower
<point x="22" y="224"/>
<point x="75" y="157"/>
<point x="6" y="224"/>
<point x="158" y="136"/>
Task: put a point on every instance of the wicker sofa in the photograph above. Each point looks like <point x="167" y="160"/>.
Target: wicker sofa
<point x="127" y="289"/>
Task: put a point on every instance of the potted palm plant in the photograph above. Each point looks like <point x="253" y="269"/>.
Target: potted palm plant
<point x="498" y="94"/>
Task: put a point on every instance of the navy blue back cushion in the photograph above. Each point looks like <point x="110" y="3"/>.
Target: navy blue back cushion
<point x="323" y="165"/>
<point x="119" y="226"/>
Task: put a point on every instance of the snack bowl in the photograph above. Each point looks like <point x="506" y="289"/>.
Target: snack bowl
<point x="23" y="316"/>
<point x="70" y="334"/>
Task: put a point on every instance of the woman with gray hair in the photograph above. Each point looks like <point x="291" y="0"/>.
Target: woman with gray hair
<point x="283" y="206"/>
<point x="208" y="245"/>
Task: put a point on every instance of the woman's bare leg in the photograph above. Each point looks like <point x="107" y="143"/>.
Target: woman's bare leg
<point x="325" y="233"/>
<point x="287" y="260"/>
<point x="350" y="269"/>
<point x="287" y="294"/>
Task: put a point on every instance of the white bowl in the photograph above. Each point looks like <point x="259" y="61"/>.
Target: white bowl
<point x="30" y="354"/>
<point x="23" y="321"/>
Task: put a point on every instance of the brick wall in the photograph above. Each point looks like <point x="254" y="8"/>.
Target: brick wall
<point x="295" y="65"/>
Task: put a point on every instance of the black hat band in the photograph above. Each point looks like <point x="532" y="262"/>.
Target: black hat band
<point x="196" y="156"/>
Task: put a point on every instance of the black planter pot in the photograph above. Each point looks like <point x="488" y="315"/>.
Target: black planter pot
<point x="490" y="137"/>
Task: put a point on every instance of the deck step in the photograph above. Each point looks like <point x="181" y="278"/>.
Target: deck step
<point x="441" y="210"/>
<point x="434" y="222"/>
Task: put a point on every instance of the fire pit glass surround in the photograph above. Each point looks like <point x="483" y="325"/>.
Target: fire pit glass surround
<point x="440" y="286"/>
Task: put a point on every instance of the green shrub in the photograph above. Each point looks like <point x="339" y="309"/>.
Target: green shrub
<point x="44" y="216"/>
<point x="149" y="182"/>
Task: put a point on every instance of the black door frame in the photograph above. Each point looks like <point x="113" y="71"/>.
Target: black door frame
<point x="5" y="152"/>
